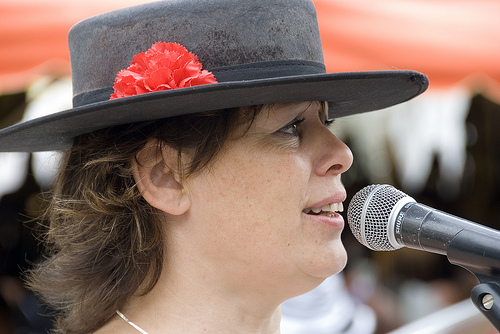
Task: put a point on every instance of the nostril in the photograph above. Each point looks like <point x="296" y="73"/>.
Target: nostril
<point x="337" y="167"/>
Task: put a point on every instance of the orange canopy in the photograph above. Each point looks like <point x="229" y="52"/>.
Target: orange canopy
<point x="452" y="41"/>
<point x="449" y="40"/>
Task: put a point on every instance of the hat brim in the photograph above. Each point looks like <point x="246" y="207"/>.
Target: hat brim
<point x="347" y="93"/>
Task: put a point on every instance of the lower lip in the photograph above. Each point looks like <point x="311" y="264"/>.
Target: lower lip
<point x="337" y="221"/>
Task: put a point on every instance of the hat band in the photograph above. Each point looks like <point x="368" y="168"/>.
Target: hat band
<point x="242" y="72"/>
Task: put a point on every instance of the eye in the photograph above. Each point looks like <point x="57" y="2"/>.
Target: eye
<point x="329" y="122"/>
<point x="323" y="117"/>
<point x="292" y="128"/>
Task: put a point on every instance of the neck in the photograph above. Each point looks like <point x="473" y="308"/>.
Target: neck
<point x="188" y="309"/>
<point x="194" y="301"/>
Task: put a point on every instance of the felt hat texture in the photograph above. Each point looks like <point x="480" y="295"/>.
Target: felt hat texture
<point x="260" y="51"/>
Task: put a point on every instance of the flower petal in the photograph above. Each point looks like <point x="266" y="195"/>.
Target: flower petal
<point x="164" y="66"/>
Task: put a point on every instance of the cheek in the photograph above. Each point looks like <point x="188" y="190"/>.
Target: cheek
<point x="262" y="193"/>
<point x="261" y="199"/>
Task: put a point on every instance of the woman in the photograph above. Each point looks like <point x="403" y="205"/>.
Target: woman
<point x="197" y="197"/>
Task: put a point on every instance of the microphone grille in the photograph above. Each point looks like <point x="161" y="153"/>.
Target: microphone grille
<point x="368" y="215"/>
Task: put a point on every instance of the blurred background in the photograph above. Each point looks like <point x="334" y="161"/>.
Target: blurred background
<point x="442" y="148"/>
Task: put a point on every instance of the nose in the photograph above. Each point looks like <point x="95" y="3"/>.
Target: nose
<point x="334" y="155"/>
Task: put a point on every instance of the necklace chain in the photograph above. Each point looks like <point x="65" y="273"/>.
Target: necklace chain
<point x="130" y="322"/>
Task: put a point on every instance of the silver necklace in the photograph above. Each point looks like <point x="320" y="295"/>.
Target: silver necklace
<point x="130" y="322"/>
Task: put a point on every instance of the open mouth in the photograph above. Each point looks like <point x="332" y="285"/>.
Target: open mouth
<point x="326" y="210"/>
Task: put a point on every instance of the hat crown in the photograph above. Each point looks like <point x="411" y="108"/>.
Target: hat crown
<point x="221" y="33"/>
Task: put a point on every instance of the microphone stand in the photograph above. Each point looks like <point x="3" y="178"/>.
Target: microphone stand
<point x="484" y="263"/>
<point x="486" y="297"/>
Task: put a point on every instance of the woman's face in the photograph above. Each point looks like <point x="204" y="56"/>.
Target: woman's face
<point x="251" y="216"/>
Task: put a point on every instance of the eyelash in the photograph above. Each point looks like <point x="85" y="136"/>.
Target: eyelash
<point x="292" y="126"/>
<point x="329" y="122"/>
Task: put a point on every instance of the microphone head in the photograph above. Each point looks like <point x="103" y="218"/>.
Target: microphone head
<point x="369" y="215"/>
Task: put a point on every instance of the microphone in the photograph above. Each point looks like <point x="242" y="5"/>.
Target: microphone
<point x="384" y="218"/>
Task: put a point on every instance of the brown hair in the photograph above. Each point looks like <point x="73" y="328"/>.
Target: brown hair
<point x="104" y="241"/>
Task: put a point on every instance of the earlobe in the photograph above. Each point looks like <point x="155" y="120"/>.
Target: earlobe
<point x="158" y="184"/>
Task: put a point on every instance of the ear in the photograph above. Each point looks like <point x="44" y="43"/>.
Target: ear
<point x="159" y="184"/>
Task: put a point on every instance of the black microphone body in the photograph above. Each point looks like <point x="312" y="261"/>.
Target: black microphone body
<point x="467" y="244"/>
<point x="384" y="218"/>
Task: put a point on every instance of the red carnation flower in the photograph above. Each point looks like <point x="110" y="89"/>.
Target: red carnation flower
<point x="164" y="66"/>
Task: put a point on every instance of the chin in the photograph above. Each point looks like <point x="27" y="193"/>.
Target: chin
<point x="312" y="274"/>
<point x="337" y="264"/>
<point x="328" y="264"/>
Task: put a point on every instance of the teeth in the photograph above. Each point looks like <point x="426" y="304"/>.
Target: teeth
<point x="332" y="207"/>
<point x="327" y="207"/>
<point x="337" y="207"/>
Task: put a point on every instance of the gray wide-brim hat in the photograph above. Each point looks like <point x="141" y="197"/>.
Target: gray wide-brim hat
<point x="260" y="51"/>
